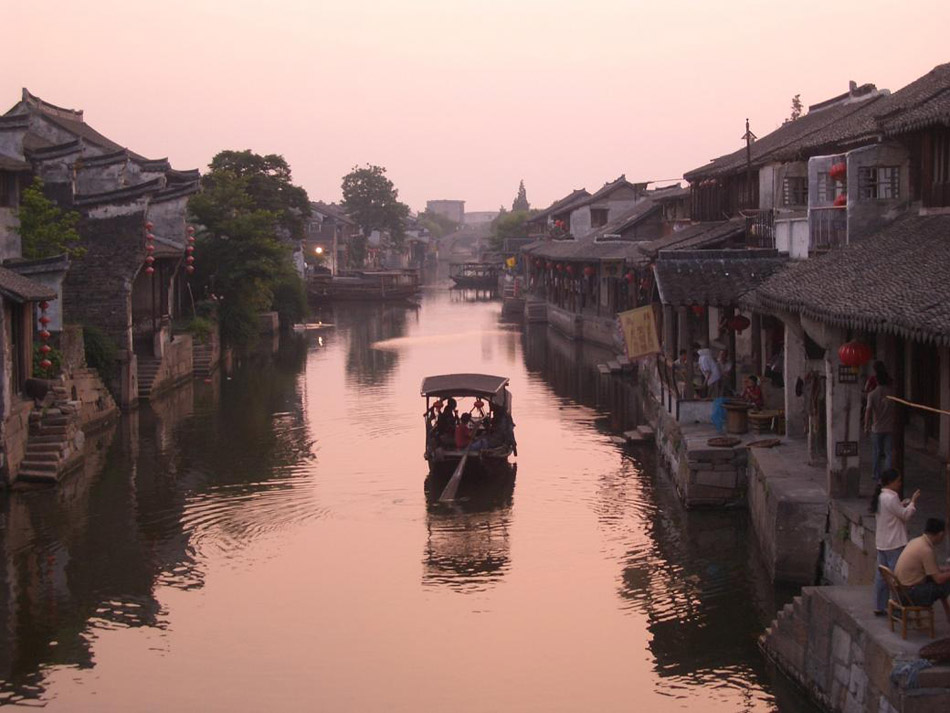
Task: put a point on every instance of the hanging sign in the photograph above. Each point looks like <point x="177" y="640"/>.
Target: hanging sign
<point x="639" y="332"/>
<point x="847" y="374"/>
<point x="846" y="449"/>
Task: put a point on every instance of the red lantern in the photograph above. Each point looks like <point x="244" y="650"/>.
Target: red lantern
<point x="588" y="271"/>
<point x="570" y="269"/>
<point x="190" y="269"/>
<point x="698" y="310"/>
<point x="46" y="364"/>
<point x="191" y="239"/>
<point x="629" y="277"/>
<point x="44" y="320"/>
<point x="44" y="335"/>
<point x="560" y="267"/>
<point x="149" y="248"/>
<point x="190" y="249"/>
<point x="841" y="200"/>
<point x="149" y="226"/>
<point x="44" y="305"/>
<point x="149" y="270"/>
<point x="189" y="259"/>
<point x="854" y="354"/>
<point x="739" y="323"/>
<point x="549" y="264"/>
<point x="838" y="171"/>
<point x="149" y="260"/>
<point x="45" y="349"/>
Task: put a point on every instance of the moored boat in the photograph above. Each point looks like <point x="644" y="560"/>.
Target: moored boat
<point x="365" y="285"/>
<point x="482" y="404"/>
<point x="475" y="275"/>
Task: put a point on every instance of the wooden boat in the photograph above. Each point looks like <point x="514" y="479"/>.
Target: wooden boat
<point x="487" y="401"/>
<point x="475" y="275"/>
<point x="365" y="285"/>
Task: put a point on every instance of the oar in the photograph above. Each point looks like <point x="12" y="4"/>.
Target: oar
<point x="453" y="485"/>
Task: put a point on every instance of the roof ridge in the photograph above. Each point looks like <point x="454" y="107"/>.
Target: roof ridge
<point x="47" y="108"/>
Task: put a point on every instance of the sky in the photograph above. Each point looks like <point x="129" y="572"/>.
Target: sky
<point x="457" y="99"/>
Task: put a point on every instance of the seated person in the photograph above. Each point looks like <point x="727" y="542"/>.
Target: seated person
<point x="463" y="431"/>
<point x="917" y="568"/>
<point x="445" y="426"/>
<point x="753" y="392"/>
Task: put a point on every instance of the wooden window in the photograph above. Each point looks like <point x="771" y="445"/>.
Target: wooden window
<point x="7" y="183"/>
<point x="598" y="217"/>
<point x="879" y="182"/>
<point x="827" y="189"/>
<point x="795" y="190"/>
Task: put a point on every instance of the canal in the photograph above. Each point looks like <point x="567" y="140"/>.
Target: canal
<point x="264" y="542"/>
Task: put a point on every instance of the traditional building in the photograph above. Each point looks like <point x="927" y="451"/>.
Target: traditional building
<point x="126" y="285"/>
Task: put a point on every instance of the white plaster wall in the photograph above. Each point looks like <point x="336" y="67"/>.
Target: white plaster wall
<point x="767" y="186"/>
<point x="783" y="236"/>
<point x="799" y="239"/>
<point x="580" y="221"/>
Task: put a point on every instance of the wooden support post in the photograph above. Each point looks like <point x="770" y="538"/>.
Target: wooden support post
<point x="757" y="366"/>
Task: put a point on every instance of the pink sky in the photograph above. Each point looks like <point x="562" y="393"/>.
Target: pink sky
<point x="457" y="98"/>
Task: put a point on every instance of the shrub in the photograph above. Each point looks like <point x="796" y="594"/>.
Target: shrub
<point x="55" y="356"/>
<point x="100" y="352"/>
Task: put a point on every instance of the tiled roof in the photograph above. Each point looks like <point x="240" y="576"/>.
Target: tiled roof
<point x="698" y="235"/>
<point x="794" y="139"/>
<point x="712" y="277"/>
<point x="331" y="210"/>
<point x="583" y="250"/>
<point x="922" y="103"/>
<point x="22" y="289"/>
<point x="576" y="196"/>
<point x="897" y="281"/>
<point x="9" y="163"/>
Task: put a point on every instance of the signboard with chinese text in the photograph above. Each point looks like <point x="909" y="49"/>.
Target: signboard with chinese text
<point x="639" y="332"/>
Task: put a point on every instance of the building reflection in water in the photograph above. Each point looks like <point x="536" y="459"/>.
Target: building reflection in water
<point x="467" y="542"/>
<point x="204" y="466"/>
<point x="364" y="323"/>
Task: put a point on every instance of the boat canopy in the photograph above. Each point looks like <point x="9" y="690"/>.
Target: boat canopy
<point x="464" y="385"/>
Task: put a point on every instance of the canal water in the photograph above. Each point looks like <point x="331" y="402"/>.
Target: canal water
<point x="265" y="542"/>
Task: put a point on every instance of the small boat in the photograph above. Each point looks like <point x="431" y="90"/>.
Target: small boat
<point x="475" y="275"/>
<point x="487" y="402"/>
<point x="364" y="285"/>
<point x="310" y="326"/>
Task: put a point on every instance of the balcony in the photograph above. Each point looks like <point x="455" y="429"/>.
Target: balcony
<point x="759" y="228"/>
<point x="828" y="227"/>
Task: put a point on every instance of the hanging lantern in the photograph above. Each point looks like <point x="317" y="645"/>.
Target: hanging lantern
<point x="44" y="335"/>
<point x="190" y="269"/>
<point x="838" y="171"/>
<point x="739" y="323"/>
<point x="570" y="269"/>
<point x="589" y="271"/>
<point x="854" y="354"/>
<point x="149" y="260"/>
<point x="149" y="248"/>
<point x="190" y="249"/>
<point x="630" y="277"/>
<point x="560" y="267"/>
<point x="149" y="270"/>
<point x="190" y="260"/>
<point x="841" y="200"/>
<point x="698" y="310"/>
<point x="549" y="264"/>
<point x="149" y="226"/>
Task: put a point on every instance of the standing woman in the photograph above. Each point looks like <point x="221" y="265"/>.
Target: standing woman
<point x="879" y="421"/>
<point x="891" y="530"/>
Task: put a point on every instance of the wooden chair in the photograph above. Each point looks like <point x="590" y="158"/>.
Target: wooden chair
<point x="901" y="608"/>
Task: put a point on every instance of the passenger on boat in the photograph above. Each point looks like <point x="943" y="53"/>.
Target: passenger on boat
<point x="463" y="431"/>
<point x="448" y="420"/>
<point x="501" y="432"/>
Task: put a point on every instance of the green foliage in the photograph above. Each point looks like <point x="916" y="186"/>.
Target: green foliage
<point x="437" y="224"/>
<point x="796" y="107"/>
<point x="267" y="182"/>
<point x="371" y="199"/>
<point x="245" y="202"/>
<point x="508" y="225"/>
<point x="520" y="203"/>
<point x="100" y="352"/>
<point x="56" y="358"/>
<point x="44" y="229"/>
<point x="290" y="300"/>
<point x="200" y="328"/>
<point x="356" y="255"/>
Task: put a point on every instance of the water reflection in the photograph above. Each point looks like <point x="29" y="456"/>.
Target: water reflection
<point x="365" y="323"/>
<point x="158" y="491"/>
<point x="467" y="543"/>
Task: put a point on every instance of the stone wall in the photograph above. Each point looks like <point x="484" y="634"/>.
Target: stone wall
<point x="93" y="400"/>
<point x="177" y="363"/>
<point x="15" y="433"/>
<point x="843" y="662"/>
<point x="850" y="552"/>
<point x="97" y="288"/>
<point x="789" y="512"/>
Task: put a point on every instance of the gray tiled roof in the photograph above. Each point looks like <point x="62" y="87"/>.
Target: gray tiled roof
<point x="712" y="277"/>
<point x="22" y="289"/>
<point x="698" y="235"/>
<point x="578" y="196"/>
<point x="897" y="281"/>
<point x="922" y="103"/>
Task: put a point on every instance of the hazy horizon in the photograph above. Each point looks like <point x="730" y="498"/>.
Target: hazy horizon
<point x="462" y="99"/>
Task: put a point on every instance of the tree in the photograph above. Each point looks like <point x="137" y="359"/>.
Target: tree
<point x="371" y="199"/>
<point x="45" y="230"/>
<point x="243" y="211"/>
<point x="521" y="200"/>
<point x="796" y="107"/>
<point x="437" y="224"/>
<point x="269" y="186"/>
<point x="508" y="225"/>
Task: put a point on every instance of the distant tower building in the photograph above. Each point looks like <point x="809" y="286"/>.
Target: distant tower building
<point x="453" y="210"/>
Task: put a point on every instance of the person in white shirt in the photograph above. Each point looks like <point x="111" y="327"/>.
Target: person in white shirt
<point x="712" y="374"/>
<point x="890" y="535"/>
